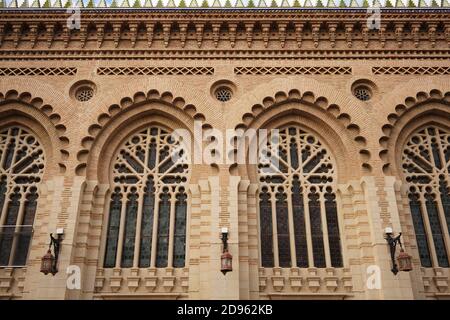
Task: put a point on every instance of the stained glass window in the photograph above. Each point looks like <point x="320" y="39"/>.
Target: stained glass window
<point x="21" y="169"/>
<point x="284" y="254"/>
<point x="300" y="189"/>
<point x="180" y="229"/>
<point x="265" y="211"/>
<point x="130" y="230"/>
<point x="426" y="166"/>
<point x="150" y="174"/>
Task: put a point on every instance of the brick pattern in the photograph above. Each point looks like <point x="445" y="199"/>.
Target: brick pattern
<point x="389" y="70"/>
<point x="155" y="71"/>
<point x="292" y="70"/>
<point x="80" y="205"/>
<point x="50" y="71"/>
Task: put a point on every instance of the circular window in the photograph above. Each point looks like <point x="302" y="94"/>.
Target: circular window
<point x="223" y="94"/>
<point x="364" y="89"/>
<point x="363" y="93"/>
<point x="83" y="90"/>
<point x="84" y="94"/>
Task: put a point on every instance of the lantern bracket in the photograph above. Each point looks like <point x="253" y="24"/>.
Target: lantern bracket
<point x="56" y="242"/>
<point x="225" y="239"/>
<point x="393" y="242"/>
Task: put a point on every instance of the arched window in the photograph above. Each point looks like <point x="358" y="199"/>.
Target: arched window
<point x="21" y="168"/>
<point x="426" y="166"/>
<point x="148" y="206"/>
<point x="297" y="204"/>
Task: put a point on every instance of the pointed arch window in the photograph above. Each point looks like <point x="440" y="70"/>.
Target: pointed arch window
<point x="148" y="205"/>
<point x="426" y="167"/>
<point x="297" y="204"/>
<point x="21" y="169"/>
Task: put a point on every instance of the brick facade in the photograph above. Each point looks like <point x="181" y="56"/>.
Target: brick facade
<point x="282" y="67"/>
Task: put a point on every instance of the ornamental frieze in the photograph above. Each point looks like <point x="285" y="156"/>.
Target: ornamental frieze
<point x="327" y="30"/>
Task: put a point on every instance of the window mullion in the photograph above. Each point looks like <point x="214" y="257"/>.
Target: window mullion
<point x="5" y="207"/>
<point x="429" y="232"/>
<point x="3" y="154"/>
<point x="274" y="229"/>
<point x="309" y="241"/>
<point x="291" y="228"/>
<point x="17" y="229"/>
<point x="171" y="229"/>
<point x="289" y="202"/>
<point x="121" y="230"/>
<point x="137" y="239"/>
<point x="324" y="221"/>
<point x="155" y="227"/>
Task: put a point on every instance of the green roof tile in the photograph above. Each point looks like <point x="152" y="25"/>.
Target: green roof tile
<point x="193" y="4"/>
<point x="261" y="4"/>
<point x="331" y="4"/>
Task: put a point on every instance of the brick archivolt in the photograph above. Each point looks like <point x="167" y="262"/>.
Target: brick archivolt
<point x="336" y="127"/>
<point x="123" y="119"/>
<point x="41" y="119"/>
<point x="423" y="107"/>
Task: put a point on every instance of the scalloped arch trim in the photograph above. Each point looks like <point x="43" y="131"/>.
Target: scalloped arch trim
<point x="47" y="110"/>
<point x="409" y="104"/>
<point x="309" y="98"/>
<point x="126" y="103"/>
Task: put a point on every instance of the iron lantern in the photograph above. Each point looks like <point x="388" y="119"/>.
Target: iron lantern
<point x="226" y="259"/>
<point x="404" y="261"/>
<point x="47" y="262"/>
<point x="226" y="262"/>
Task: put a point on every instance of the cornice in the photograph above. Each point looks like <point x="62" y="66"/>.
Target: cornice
<point x="253" y="32"/>
<point x="7" y="55"/>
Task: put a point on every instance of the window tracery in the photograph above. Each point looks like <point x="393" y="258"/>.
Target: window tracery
<point x="148" y="205"/>
<point x="297" y="204"/>
<point x="426" y="167"/>
<point x="21" y="169"/>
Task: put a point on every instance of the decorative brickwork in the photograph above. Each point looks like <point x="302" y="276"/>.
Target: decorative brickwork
<point x="292" y="70"/>
<point x="64" y="71"/>
<point x="155" y="71"/>
<point x="411" y="70"/>
<point x="353" y="106"/>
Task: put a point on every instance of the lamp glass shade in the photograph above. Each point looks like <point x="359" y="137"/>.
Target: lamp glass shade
<point x="226" y="262"/>
<point x="47" y="262"/>
<point x="404" y="261"/>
